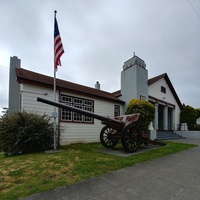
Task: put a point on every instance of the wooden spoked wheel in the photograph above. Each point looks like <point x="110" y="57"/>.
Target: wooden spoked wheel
<point x="108" y="137"/>
<point x="131" y="138"/>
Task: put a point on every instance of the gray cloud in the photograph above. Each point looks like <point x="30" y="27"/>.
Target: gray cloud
<point x="99" y="36"/>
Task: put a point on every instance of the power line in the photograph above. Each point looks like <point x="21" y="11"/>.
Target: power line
<point x="194" y="8"/>
<point x="197" y="2"/>
<point x="4" y="67"/>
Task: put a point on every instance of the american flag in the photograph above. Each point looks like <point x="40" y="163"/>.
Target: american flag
<point x="58" y="47"/>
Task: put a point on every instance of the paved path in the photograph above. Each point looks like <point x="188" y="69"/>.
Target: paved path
<point x="173" y="177"/>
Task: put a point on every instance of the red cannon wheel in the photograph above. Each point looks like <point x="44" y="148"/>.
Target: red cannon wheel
<point x="108" y="137"/>
<point x="131" y="138"/>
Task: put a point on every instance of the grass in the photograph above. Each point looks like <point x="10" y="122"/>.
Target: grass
<point x="23" y="175"/>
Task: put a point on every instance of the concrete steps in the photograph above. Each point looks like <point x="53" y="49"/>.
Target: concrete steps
<point x="167" y="135"/>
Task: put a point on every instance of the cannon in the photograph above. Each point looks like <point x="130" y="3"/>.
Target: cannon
<point x="121" y="128"/>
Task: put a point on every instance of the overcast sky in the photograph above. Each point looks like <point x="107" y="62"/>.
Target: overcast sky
<point x="99" y="36"/>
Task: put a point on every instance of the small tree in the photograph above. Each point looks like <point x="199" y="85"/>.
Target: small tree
<point x="146" y="110"/>
<point x="24" y="132"/>
<point x="198" y="111"/>
<point x="189" y="115"/>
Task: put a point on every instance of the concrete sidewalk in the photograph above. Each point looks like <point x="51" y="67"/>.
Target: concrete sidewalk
<point x="173" y="177"/>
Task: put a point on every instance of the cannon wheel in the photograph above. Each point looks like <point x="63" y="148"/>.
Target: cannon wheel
<point x="107" y="137"/>
<point x="131" y="138"/>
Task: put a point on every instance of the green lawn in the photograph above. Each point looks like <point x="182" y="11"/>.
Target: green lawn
<point x="23" y="175"/>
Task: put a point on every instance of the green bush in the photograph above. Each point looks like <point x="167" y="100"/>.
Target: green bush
<point x="189" y="115"/>
<point x="24" y="132"/>
<point x="198" y="111"/>
<point x="146" y="110"/>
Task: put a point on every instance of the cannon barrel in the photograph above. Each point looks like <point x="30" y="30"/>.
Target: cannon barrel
<point x="105" y="120"/>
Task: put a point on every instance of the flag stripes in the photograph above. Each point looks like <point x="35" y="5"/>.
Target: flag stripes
<point x="58" y="46"/>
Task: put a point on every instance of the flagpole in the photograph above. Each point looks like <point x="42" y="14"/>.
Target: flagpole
<point x="58" y="51"/>
<point x="54" y="89"/>
<point x="55" y="113"/>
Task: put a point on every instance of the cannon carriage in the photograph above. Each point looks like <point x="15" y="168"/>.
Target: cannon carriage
<point x="121" y="128"/>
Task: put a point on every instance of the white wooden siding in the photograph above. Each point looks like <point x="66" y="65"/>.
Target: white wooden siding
<point x="29" y="101"/>
<point x="154" y="90"/>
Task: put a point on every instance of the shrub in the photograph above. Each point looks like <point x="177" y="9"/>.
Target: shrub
<point x="198" y="126"/>
<point x="189" y="115"/>
<point x="24" y="132"/>
<point x="198" y="111"/>
<point x="146" y="110"/>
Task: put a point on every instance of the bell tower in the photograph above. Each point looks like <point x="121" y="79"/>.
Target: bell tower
<point x="134" y="78"/>
<point x="14" y="87"/>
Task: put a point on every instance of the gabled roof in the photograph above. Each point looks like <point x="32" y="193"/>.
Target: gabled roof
<point x="117" y="93"/>
<point x="165" y="76"/>
<point x="30" y="77"/>
<point x="156" y="78"/>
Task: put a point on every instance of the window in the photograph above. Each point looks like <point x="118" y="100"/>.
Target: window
<point x="142" y="97"/>
<point x="163" y="89"/>
<point x="117" y="110"/>
<point x="77" y="102"/>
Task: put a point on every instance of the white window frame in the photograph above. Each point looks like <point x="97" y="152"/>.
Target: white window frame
<point x="69" y="116"/>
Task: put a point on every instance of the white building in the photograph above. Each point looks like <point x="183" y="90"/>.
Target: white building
<point x="26" y="86"/>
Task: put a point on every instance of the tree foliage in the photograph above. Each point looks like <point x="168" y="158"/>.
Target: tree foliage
<point x="198" y="111"/>
<point x="24" y="132"/>
<point x="189" y="115"/>
<point x="146" y="110"/>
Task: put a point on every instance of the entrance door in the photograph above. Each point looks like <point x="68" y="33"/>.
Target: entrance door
<point x="160" y="117"/>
